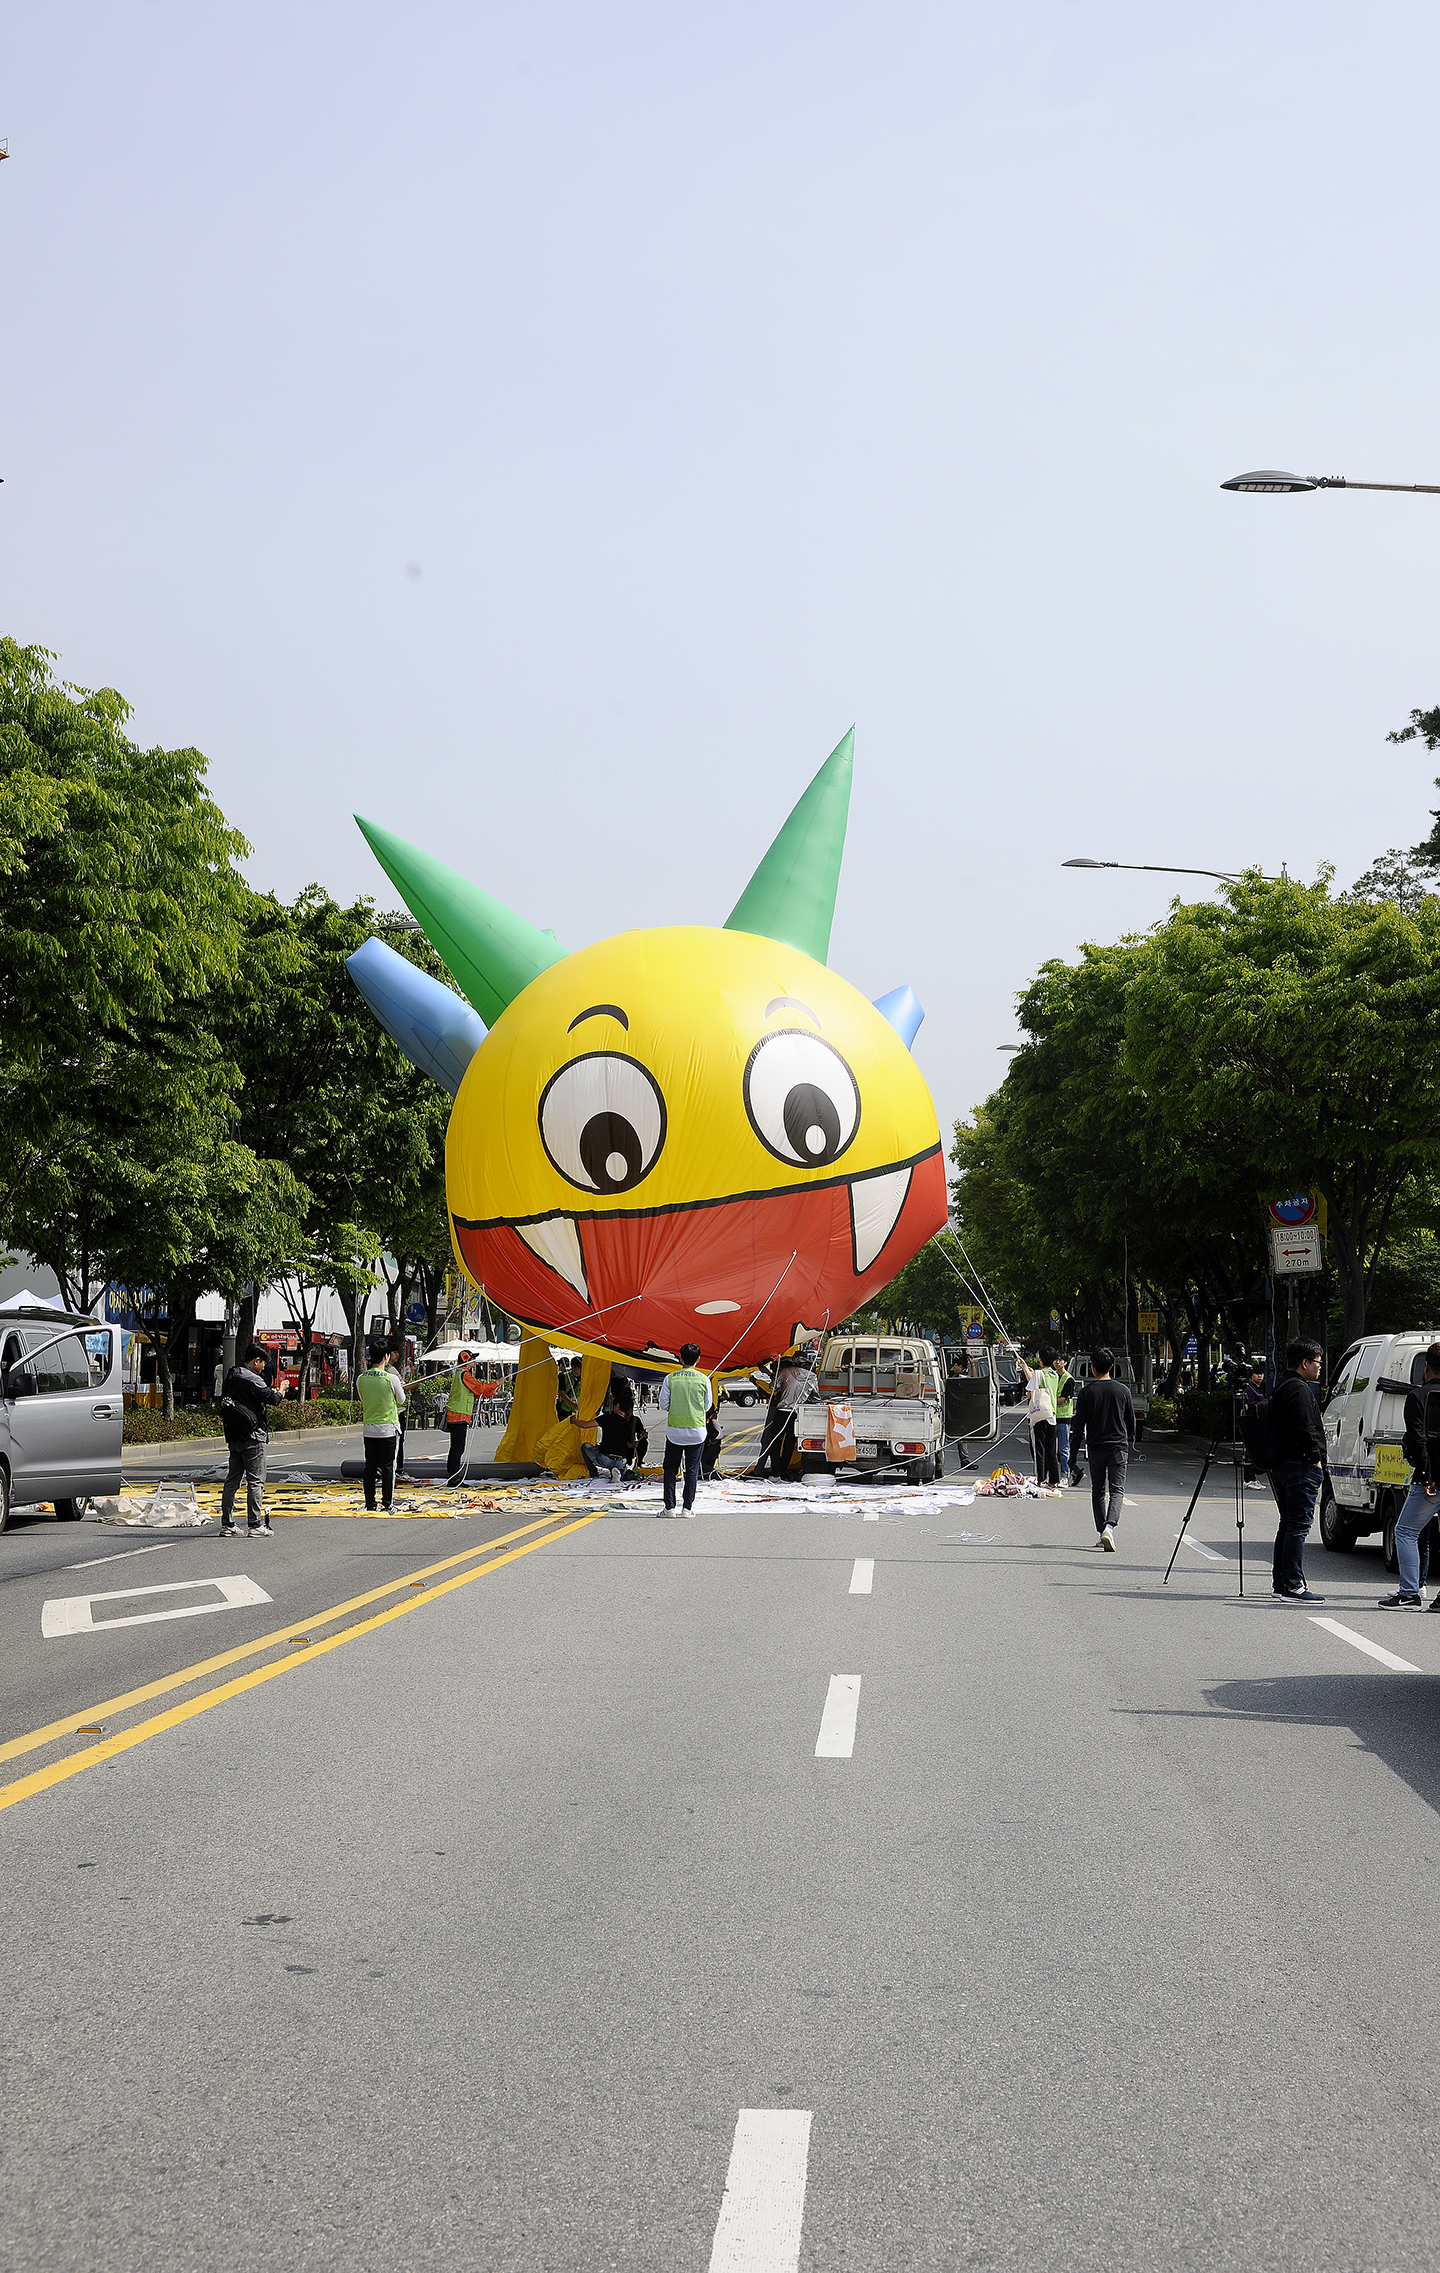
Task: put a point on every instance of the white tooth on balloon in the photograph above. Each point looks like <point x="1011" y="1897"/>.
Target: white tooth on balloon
<point x="557" y="1242"/>
<point x="875" y="1204"/>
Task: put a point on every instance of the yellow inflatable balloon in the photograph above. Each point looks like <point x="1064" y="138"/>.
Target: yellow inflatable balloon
<point x="681" y="1135"/>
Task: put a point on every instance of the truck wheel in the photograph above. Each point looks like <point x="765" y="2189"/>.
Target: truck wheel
<point x="1335" y="1533"/>
<point x="915" y="1471"/>
<point x="1392" y="1560"/>
<point x="927" y="1471"/>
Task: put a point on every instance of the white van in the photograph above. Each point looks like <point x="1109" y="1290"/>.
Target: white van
<point x="62" y="1412"/>
<point x="1366" y="1408"/>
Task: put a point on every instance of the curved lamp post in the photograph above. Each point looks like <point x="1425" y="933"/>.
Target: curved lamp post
<point x="1271" y="484"/>
<point x="1157" y="868"/>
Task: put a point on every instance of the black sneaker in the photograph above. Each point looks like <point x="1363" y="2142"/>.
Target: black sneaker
<point x="1299" y="1594"/>
<point x="1435" y="1605"/>
<point x="1401" y="1601"/>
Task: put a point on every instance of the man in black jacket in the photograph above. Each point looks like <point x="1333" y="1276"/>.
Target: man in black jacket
<point x="1299" y="1466"/>
<point x="1105" y="1424"/>
<point x="1420" y="1501"/>
<point x="243" y="1401"/>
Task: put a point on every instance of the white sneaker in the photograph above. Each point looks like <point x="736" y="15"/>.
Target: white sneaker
<point x="1107" y="1540"/>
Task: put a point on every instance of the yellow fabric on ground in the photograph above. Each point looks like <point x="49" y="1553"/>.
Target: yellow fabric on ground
<point x="532" y="1412"/>
<point x="559" y="1448"/>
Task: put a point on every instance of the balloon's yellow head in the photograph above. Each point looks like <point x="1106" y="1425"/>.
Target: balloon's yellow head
<point x="678" y="1135"/>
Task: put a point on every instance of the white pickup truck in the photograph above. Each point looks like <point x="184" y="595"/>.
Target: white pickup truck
<point x="896" y="1392"/>
<point x="1364" y="1412"/>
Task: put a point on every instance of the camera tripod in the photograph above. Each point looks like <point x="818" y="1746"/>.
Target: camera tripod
<point x="1215" y="1442"/>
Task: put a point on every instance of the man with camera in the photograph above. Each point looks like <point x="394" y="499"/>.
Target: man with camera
<point x="1299" y="1465"/>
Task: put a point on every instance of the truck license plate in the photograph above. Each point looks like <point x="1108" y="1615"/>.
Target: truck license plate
<point x="868" y="1451"/>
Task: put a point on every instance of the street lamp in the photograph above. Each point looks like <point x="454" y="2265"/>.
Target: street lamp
<point x="1270" y="484"/>
<point x="1157" y="868"/>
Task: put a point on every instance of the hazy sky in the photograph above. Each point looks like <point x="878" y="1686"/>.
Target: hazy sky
<point x="546" y="429"/>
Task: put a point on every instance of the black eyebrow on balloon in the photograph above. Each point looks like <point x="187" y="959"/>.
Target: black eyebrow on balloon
<point x="600" y="1010"/>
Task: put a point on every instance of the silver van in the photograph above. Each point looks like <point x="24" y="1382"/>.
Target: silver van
<point x="1365" y="1410"/>
<point x="62" y="1413"/>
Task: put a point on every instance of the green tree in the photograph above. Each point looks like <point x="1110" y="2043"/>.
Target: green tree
<point x="325" y="1091"/>
<point x="1424" y="727"/>
<point x="119" y="916"/>
<point x="1295" y="1039"/>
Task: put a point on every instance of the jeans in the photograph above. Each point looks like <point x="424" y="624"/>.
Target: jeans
<point x="457" y="1431"/>
<point x="608" y="1464"/>
<point x="1108" y="1463"/>
<point x="1047" y="1468"/>
<point x="379" y="1461"/>
<point x="673" y="1454"/>
<point x="247" y="1460"/>
<point x="1297" y="1487"/>
<point x="1062" y="1443"/>
<point x="1419" y="1509"/>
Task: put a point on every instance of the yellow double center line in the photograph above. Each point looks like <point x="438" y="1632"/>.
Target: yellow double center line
<point x="58" y="1770"/>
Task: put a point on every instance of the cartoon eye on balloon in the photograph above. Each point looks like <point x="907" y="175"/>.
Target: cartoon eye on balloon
<point x="801" y="1097"/>
<point x="602" y="1122"/>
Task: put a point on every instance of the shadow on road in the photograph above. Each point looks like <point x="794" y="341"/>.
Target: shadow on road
<point x="1393" y="1715"/>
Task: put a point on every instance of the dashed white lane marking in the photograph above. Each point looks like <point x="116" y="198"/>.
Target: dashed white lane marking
<point x="763" y="2208"/>
<point x="1363" y="1642"/>
<point x="1208" y="1552"/>
<point x="836" y="1740"/>
<point x="124" y="1557"/>
<point x="862" y="1578"/>
<point x="72" y="1614"/>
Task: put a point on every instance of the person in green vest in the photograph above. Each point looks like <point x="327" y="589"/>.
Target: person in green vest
<point x="382" y="1397"/>
<point x="686" y="1397"/>
<point x="1064" y="1415"/>
<point x="459" y="1409"/>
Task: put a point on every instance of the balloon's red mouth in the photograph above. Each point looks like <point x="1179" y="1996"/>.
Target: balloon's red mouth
<point x="737" y="1276"/>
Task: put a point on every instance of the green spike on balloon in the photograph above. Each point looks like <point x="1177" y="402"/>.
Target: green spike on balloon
<point x="791" y="896"/>
<point x="493" y="952"/>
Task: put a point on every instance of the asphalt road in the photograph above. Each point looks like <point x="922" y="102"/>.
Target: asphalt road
<point x="468" y="1941"/>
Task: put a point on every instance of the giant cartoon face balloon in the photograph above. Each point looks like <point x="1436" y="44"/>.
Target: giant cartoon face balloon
<point x="675" y="1135"/>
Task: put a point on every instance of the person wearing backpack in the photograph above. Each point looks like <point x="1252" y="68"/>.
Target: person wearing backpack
<point x="1042" y="1396"/>
<point x="1420" y="1500"/>
<point x="1299" y="1442"/>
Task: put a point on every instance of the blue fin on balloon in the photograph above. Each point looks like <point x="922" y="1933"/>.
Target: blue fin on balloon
<point x="903" y="1012"/>
<point x="436" y="1029"/>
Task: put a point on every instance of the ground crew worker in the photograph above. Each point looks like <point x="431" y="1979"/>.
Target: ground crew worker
<point x="685" y="1398"/>
<point x="459" y="1411"/>
<point x="243" y="1404"/>
<point x="1064" y="1415"/>
<point x="382" y="1397"/>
